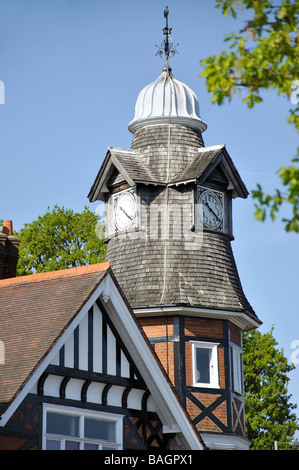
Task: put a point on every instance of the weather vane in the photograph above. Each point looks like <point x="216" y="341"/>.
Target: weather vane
<point x="167" y="45"/>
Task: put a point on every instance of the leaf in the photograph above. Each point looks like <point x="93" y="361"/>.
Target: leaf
<point x="269" y="412"/>
<point x="263" y="56"/>
<point x="59" y="239"/>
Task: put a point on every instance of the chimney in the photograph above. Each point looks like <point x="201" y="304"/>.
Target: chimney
<point x="7" y="227"/>
<point x="9" y="251"/>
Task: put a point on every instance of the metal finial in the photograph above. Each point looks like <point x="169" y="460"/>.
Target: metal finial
<point x="167" y="45"/>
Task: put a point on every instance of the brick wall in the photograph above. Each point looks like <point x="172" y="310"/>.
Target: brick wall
<point x="235" y="335"/>
<point x="203" y="327"/>
<point x="22" y="430"/>
<point x="157" y="327"/>
<point x="161" y="333"/>
<point x="13" y="443"/>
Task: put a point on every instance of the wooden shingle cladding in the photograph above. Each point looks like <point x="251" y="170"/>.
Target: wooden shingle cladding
<point x="68" y="338"/>
<point x="166" y="150"/>
<point x="148" y="158"/>
<point x="165" y="156"/>
<point x="204" y="279"/>
<point x="181" y="264"/>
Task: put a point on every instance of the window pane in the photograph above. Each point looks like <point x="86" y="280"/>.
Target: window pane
<point x="52" y="445"/>
<point x="65" y="425"/>
<point x="90" y="446"/>
<point x="237" y="371"/>
<point x="70" y="445"/>
<point x="203" y="356"/>
<point x="99" y="429"/>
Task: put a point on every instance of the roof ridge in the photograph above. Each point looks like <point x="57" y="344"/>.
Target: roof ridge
<point x="68" y="272"/>
<point x="121" y="150"/>
<point x="211" y="147"/>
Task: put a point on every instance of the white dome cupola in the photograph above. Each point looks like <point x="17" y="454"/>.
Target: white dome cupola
<point x="167" y="101"/>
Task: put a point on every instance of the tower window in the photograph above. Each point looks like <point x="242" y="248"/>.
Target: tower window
<point x="205" y="364"/>
<point x="237" y="370"/>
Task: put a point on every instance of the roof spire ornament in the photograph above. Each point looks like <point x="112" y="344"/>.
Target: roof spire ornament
<point x="167" y="45"/>
<point x="167" y="100"/>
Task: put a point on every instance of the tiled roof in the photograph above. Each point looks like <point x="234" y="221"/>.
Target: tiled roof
<point x="68" y="272"/>
<point x="35" y="311"/>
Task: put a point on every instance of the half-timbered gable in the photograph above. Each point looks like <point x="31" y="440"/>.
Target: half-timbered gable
<point x="79" y="372"/>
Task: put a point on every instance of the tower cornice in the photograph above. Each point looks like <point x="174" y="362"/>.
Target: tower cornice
<point x="238" y="317"/>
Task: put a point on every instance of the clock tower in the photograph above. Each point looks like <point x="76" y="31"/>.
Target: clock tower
<point x="169" y="231"/>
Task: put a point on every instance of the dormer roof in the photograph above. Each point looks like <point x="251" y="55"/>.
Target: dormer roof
<point x="131" y="166"/>
<point x="134" y="167"/>
<point x="205" y="162"/>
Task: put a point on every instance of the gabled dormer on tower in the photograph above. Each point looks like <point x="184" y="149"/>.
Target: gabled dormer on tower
<point x="169" y="232"/>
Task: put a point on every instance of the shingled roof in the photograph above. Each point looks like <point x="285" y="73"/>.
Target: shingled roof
<point x="203" y="164"/>
<point x="131" y="166"/>
<point x="135" y="166"/>
<point x="205" y="278"/>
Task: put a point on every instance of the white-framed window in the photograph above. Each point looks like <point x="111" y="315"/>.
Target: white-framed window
<point x="205" y="364"/>
<point x="237" y="370"/>
<point x="66" y="428"/>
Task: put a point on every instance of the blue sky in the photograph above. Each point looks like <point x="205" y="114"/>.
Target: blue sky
<point x="72" y="71"/>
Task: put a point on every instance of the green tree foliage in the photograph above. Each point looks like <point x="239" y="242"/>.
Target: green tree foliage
<point x="264" y="55"/>
<point x="60" y="239"/>
<point x="269" y="415"/>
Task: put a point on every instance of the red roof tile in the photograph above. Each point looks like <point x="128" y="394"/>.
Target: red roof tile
<point x="34" y="311"/>
<point x="68" y="272"/>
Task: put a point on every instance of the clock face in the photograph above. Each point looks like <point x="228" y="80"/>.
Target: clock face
<point x="124" y="210"/>
<point x="212" y="209"/>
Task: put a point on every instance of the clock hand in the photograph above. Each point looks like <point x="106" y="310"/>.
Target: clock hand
<point x="212" y="211"/>
<point x="123" y="210"/>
